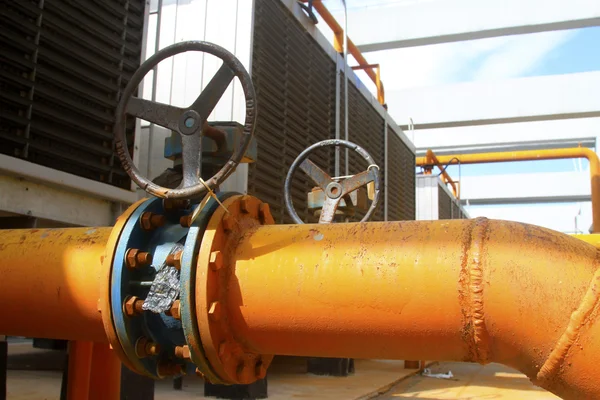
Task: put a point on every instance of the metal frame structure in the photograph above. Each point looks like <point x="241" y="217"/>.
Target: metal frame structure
<point x="430" y="160"/>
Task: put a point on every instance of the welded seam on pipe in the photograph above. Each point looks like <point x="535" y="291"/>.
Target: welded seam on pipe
<point x="471" y="283"/>
<point x="580" y="318"/>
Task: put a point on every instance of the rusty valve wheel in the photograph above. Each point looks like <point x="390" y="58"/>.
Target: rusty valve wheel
<point x="188" y="122"/>
<point x="334" y="189"/>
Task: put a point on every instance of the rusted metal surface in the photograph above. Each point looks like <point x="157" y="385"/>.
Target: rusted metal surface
<point x="231" y="359"/>
<point x="431" y="159"/>
<point x="136" y="258"/>
<point x="189" y="122"/>
<point x="51" y="282"/>
<point x="365" y="290"/>
<point x="152" y="221"/>
<point x="133" y="306"/>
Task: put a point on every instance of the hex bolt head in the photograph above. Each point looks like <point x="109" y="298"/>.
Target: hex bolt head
<point x="244" y="205"/>
<point x="133" y="306"/>
<point x="260" y="370"/>
<point x="185" y="221"/>
<point x="135" y="258"/>
<point x="175" y="310"/>
<point x="228" y="222"/>
<point x="146" y="348"/>
<point x="174" y="259"/>
<point x="264" y="213"/>
<point x="182" y="352"/>
<point x="167" y="368"/>
<point x="151" y="221"/>
<point x="214" y="312"/>
<point x="216" y="260"/>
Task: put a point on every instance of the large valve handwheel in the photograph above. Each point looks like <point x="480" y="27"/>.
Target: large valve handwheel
<point x="189" y="122"/>
<point x="334" y="190"/>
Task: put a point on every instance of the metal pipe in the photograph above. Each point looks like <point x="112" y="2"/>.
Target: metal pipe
<point x="433" y="160"/>
<point x="466" y="290"/>
<point x="530" y="155"/>
<point x="338" y="33"/>
<point x="51" y="279"/>
<point x="80" y="370"/>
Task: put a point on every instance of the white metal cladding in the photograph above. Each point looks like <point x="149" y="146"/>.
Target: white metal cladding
<point x="434" y="200"/>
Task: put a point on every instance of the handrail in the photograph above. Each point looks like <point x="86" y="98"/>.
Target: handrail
<point x="432" y="160"/>
<point x="372" y="70"/>
<point x="529" y="155"/>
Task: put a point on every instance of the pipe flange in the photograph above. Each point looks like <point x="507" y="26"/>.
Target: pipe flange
<point x="188" y="284"/>
<point x="144" y="341"/>
<point x="230" y="359"/>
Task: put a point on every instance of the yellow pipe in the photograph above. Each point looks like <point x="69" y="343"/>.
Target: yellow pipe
<point x="50" y="285"/>
<point x="529" y="155"/>
<point x="467" y="290"/>
<point x="593" y="239"/>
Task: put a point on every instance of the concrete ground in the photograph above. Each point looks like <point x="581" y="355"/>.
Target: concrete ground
<point x="373" y="379"/>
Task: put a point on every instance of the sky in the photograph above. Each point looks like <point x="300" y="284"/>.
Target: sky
<point x="493" y="59"/>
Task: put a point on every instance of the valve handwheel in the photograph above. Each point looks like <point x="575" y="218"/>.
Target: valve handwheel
<point x="188" y="122"/>
<point x="334" y="190"/>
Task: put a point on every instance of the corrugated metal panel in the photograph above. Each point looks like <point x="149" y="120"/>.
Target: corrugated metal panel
<point x="295" y="85"/>
<point x="365" y="128"/>
<point x="401" y="180"/>
<point x="448" y="206"/>
<point x="63" y="65"/>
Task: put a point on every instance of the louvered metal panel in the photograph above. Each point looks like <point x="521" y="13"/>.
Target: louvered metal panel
<point x="62" y="66"/>
<point x="295" y="86"/>
<point x="401" y="179"/>
<point x="448" y="207"/>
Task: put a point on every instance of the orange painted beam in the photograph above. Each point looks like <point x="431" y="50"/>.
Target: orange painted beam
<point x="51" y="281"/>
<point x="80" y="370"/>
<point x="430" y="159"/>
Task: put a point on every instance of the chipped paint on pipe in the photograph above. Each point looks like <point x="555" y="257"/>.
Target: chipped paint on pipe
<point x="51" y="281"/>
<point x="529" y="155"/>
<point x="468" y="290"/>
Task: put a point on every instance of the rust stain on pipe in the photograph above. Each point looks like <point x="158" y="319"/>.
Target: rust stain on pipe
<point x="471" y="287"/>
<point x="472" y="290"/>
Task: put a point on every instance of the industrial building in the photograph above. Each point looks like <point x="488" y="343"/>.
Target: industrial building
<point x="359" y="199"/>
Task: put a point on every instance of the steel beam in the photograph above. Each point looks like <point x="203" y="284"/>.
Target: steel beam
<point x="541" y="98"/>
<point x="409" y="24"/>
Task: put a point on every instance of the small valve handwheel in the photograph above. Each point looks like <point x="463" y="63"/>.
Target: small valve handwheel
<point x="188" y="122"/>
<point x="334" y="190"/>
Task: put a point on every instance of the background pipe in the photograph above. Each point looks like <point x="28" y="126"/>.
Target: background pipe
<point x="429" y="160"/>
<point x="51" y="281"/>
<point x="466" y="290"/>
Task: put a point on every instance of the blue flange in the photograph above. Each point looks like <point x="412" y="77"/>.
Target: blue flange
<point x="158" y="328"/>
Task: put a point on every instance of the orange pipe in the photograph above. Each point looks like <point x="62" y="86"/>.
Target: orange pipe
<point x="338" y="33"/>
<point x="51" y="279"/>
<point x="529" y="155"/>
<point x="467" y="290"/>
<point x="80" y="370"/>
<point x="105" y="383"/>
<point x="432" y="160"/>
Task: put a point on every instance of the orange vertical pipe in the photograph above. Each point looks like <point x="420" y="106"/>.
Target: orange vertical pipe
<point x="51" y="281"/>
<point x="80" y="370"/>
<point x="467" y="290"/>
<point x="529" y="155"/>
<point x="105" y="383"/>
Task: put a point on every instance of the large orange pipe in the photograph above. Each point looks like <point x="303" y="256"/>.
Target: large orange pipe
<point x="50" y="283"/>
<point x="528" y="155"/>
<point x="469" y="290"/>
